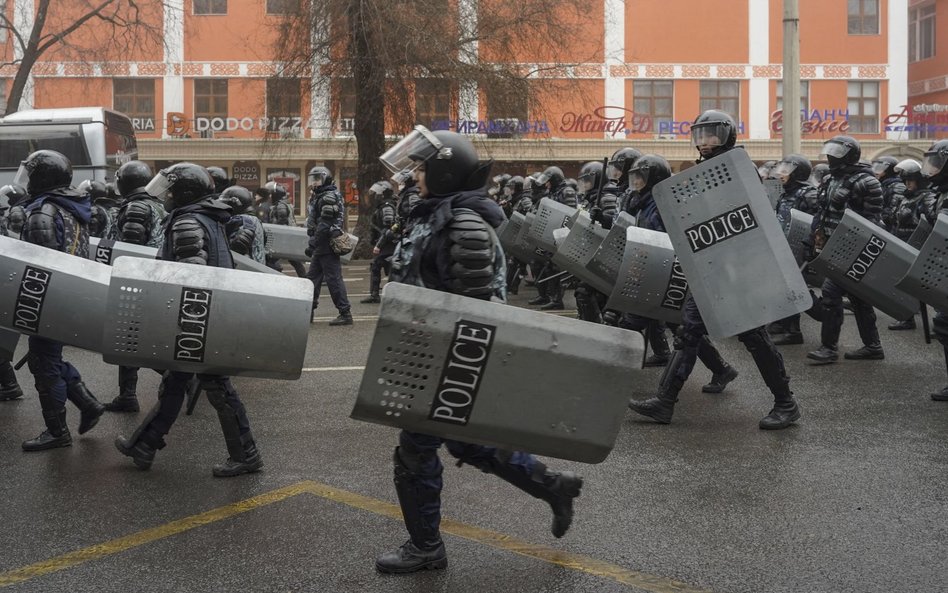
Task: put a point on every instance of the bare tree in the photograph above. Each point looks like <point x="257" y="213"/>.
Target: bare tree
<point x="121" y="26"/>
<point x="488" y="49"/>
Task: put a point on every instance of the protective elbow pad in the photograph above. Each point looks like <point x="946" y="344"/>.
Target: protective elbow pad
<point x="40" y="227"/>
<point x="242" y="241"/>
<point x="134" y="222"/>
<point x="188" y="241"/>
<point x="472" y="255"/>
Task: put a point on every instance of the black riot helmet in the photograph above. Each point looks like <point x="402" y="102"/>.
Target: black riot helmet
<point x="319" y="176"/>
<point x="552" y="175"/>
<point x="713" y="133"/>
<point x="131" y="177"/>
<point x="238" y="198"/>
<point x="884" y="166"/>
<point x="589" y="176"/>
<point x="514" y="185"/>
<point x="766" y="169"/>
<point x="648" y="170"/>
<point x="13" y="194"/>
<point x="622" y="160"/>
<point x="180" y="185"/>
<point x="44" y="170"/>
<point x="501" y="181"/>
<point x="277" y="191"/>
<point x="449" y="159"/>
<point x="910" y="170"/>
<point x="841" y="152"/>
<point x="96" y="190"/>
<point x="382" y="190"/>
<point x="219" y="175"/>
<point x="820" y="170"/>
<point x="792" y="168"/>
<point x="933" y="167"/>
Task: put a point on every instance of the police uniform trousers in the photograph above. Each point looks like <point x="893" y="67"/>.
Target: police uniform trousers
<point x="51" y="374"/>
<point x="328" y="267"/>
<point x="832" y="317"/>
<point x="173" y="392"/>
<point x="380" y="263"/>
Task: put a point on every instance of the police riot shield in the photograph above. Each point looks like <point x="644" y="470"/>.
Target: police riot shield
<point x="650" y="281"/>
<point x="927" y="279"/>
<point x="509" y="236"/>
<point x="106" y="251"/>
<point x="604" y="265"/>
<point x="578" y="248"/>
<point x="242" y="262"/>
<point x="199" y="319"/>
<point x="8" y="342"/>
<point x="51" y="294"/>
<point x="774" y="189"/>
<point x="737" y="260"/>
<point x="523" y="238"/>
<point x="550" y="215"/>
<point x="867" y="261"/>
<point x="482" y="372"/>
<point x="798" y="232"/>
<point x="286" y="242"/>
<point x="348" y="257"/>
<point x="920" y="234"/>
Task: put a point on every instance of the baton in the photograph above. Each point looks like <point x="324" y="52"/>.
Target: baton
<point x="552" y="276"/>
<point x="22" y="362"/>
<point x="925" y="326"/>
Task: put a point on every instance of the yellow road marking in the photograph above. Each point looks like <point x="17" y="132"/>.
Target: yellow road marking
<point x="569" y="560"/>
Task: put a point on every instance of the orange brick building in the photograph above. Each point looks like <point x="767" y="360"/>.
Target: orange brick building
<point x="643" y="69"/>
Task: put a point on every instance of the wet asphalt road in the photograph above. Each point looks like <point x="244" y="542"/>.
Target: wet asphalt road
<point x="853" y="498"/>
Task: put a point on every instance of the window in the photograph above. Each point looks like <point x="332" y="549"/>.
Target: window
<point x="210" y="6"/>
<point x="345" y="106"/>
<point x="432" y="101"/>
<point x="210" y="97"/>
<point x="723" y="95"/>
<point x="863" y="106"/>
<point x="804" y="95"/>
<point x="135" y="97"/>
<point x="863" y="17"/>
<point x="921" y="33"/>
<point x="507" y="110"/>
<point x="283" y="6"/>
<point x="284" y="97"/>
<point x="654" y="99"/>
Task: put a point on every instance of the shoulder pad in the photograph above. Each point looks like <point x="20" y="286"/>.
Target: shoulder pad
<point x="188" y="242"/>
<point x="471" y="255"/>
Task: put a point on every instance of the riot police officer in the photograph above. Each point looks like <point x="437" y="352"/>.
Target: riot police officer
<point x="893" y="189"/>
<point x="281" y="212"/>
<point x="57" y="217"/>
<point x="793" y="171"/>
<point x="454" y="220"/>
<point x="909" y="212"/>
<point x="601" y="206"/>
<point x="324" y="222"/>
<point x="820" y="171"/>
<point x="516" y="199"/>
<point x="138" y="222"/>
<point x="102" y="223"/>
<point x="9" y="387"/>
<point x="16" y="215"/>
<point x="245" y="233"/>
<point x="714" y="133"/>
<point x="851" y="185"/>
<point x="549" y="286"/>
<point x="617" y="172"/>
<point x="384" y="218"/>
<point x="935" y="169"/>
<point x="194" y="234"/>
<point x="221" y="181"/>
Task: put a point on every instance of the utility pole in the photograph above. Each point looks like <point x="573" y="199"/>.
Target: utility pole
<point x="791" y="76"/>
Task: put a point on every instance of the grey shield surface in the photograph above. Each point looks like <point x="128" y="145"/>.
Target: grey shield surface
<point x="867" y="261"/>
<point x="453" y="367"/>
<point x="106" y="251"/>
<point x="737" y="260"/>
<point x="8" y="342"/>
<point x="798" y="232"/>
<point x="550" y="215"/>
<point x="51" y="294"/>
<point x="774" y="189"/>
<point x="574" y="253"/>
<point x="920" y="234"/>
<point x="927" y="279"/>
<point x="348" y="257"/>
<point x="510" y="236"/>
<point x="242" y="262"/>
<point x="650" y="283"/>
<point x="523" y="238"/>
<point x="604" y="265"/>
<point x="286" y="242"/>
<point x="196" y="319"/>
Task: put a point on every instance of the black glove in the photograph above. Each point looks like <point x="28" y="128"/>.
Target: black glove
<point x="308" y="252"/>
<point x="595" y="213"/>
<point x="311" y="231"/>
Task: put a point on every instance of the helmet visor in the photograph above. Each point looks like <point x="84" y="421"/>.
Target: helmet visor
<point x="22" y="176"/>
<point x="409" y="152"/>
<point x="159" y="185"/>
<point x="934" y="163"/>
<point x="377" y="189"/>
<point x="638" y="178"/>
<point x="714" y="134"/>
<point x="783" y="169"/>
<point x="835" y="150"/>
<point x="880" y="167"/>
<point x="612" y="172"/>
<point x="316" y="179"/>
<point x="543" y="178"/>
<point x="586" y="184"/>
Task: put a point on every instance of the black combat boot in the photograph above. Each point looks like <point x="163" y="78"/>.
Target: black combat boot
<point x="661" y="407"/>
<point x="127" y="399"/>
<point x="793" y="335"/>
<point x="538" y="300"/>
<point x="872" y="352"/>
<point x="372" y="298"/>
<point x="244" y="458"/>
<point x="825" y="355"/>
<point x="9" y="388"/>
<point x="344" y="318"/>
<point x="661" y="354"/>
<point x="908" y="324"/>
<point x="143" y="443"/>
<point x="56" y="433"/>
<point x="90" y="409"/>
<point x="940" y="396"/>
<point x="722" y="372"/>
<point x="553" y="306"/>
<point x="420" y="502"/>
<point x="783" y="414"/>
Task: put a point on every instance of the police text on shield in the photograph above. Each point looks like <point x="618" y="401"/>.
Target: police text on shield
<point x="29" y="299"/>
<point x="868" y="256"/>
<point x="721" y="228"/>
<point x="463" y="370"/>
<point x="193" y="319"/>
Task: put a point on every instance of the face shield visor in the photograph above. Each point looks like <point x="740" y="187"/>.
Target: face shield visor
<point x="159" y="185"/>
<point x="933" y="165"/>
<point x="543" y="178"/>
<point x="880" y="167"/>
<point x="587" y="184"/>
<point x="613" y="173"/>
<point x="409" y="152"/>
<point x="22" y="177"/>
<point x="835" y="150"/>
<point x="377" y="190"/>
<point x="316" y="179"/>
<point x="782" y="170"/>
<point x="508" y="191"/>
<point x="638" y="179"/>
<point x="709" y="135"/>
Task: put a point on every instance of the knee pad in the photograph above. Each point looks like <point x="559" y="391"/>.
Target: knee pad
<point x="686" y="339"/>
<point x="754" y="339"/>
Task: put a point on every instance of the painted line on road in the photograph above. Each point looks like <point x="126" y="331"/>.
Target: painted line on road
<point x="324" y="369"/>
<point x="354" y="318"/>
<point x="564" y="559"/>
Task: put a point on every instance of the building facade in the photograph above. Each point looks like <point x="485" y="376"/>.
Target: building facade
<point x="640" y="71"/>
